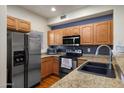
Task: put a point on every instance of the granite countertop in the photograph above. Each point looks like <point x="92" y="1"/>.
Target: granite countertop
<point x="120" y="61"/>
<point x="77" y="79"/>
<point x="43" y="55"/>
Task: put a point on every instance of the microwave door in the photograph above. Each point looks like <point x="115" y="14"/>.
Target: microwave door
<point x="68" y="41"/>
<point x="77" y="41"/>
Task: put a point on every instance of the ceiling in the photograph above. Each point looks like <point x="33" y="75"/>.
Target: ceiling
<point x="45" y="10"/>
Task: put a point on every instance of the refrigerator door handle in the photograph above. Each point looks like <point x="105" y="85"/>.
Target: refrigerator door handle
<point x="26" y="62"/>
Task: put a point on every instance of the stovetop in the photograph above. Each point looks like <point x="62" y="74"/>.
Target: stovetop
<point x="73" y="54"/>
<point x="70" y="56"/>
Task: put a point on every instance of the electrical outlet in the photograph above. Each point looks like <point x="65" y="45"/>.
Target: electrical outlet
<point x="88" y="50"/>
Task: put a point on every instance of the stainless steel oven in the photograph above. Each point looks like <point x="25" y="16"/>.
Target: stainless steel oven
<point x="64" y="71"/>
<point x="73" y="55"/>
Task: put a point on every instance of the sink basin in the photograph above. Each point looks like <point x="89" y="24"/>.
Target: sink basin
<point x="96" y="64"/>
<point x="98" y="68"/>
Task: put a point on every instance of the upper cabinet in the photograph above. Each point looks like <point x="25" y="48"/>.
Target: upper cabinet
<point x="102" y="33"/>
<point x="55" y="37"/>
<point x="86" y="34"/>
<point x="111" y="35"/>
<point x="58" y="34"/>
<point x="51" y="39"/>
<point x="24" y="25"/>
<point x="90" y="34"/>
<point x="76" y="30"/>
<point x="66" y="31"/>
<point x="11" y="23"/>
<point x="70" y="31"/>
<point x="18" y="25"/>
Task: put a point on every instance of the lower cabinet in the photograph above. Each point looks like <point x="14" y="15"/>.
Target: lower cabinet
<point x="44" y="69"/>
<point x="55" y="69"/>
<point x="49" y="65"/>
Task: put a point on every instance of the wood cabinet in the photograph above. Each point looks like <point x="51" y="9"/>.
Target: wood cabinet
<point x="58" y="34"/>
<point x="70" y="31"/>
<point x="75" y="30"/>
<point x="90" y="34"/>
<point x="11" y="23"/>
<point x="102" y="32"/>
<point x="44" y="69"/>
<point x="55" y="69"/>
<point x="66" y="32"/>
<point x="18" y="25"/>
<point x="51" y="39"/>
<point x="24" y="26"/>
<point x="55" y="37"/>
<point x="49" y="65"/>
<point x="86" y="34"/>
<point x="111" y="35"/>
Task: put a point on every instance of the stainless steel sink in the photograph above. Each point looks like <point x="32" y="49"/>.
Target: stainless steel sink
<point x="98" y="68"/>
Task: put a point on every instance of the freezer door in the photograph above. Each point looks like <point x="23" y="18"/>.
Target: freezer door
<point x="17" y="70"/>
<point x="34" y="43"/>
<point x="18" y="77"/>
<point x="17" y="41"/>
<point x="34" y="75"/>
<point x="15" y="73"/>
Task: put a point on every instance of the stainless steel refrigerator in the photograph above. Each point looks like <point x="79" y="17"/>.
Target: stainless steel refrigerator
<point x="23" y="59"/>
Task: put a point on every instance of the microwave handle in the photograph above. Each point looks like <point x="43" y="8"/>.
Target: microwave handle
<point x="74" y="41"/>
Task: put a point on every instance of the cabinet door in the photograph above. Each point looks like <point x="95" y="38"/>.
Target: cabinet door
<point x="51" y="40"/>
<point x="49" y="66"/>
<point x="86" y="33"/>
<point x="56" y="67"/>
<point x="67" y="31"/>
<point x="44" y="69"/>
<point x="70" y="31"/>
<point x="102" y="31"/>
<point x="111" y="34"/>
<point x="58" y="34"/>
<point x="11" y="23"/>
<point x="24" y="26"/>
<point x="75" y="30"/>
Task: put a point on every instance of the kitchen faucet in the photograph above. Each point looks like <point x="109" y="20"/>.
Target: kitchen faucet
<point x="110" y="54"/>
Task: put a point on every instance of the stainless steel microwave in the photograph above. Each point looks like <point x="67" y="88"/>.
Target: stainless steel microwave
<point x="71" y="40"/>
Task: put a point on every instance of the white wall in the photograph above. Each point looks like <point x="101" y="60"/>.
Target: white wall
<point x="81" y="13"/>
<point x="118" y="26"/>
<point x="118" y="20"/>
<point x="3" y="38"/>
<point x="38" y="23"/>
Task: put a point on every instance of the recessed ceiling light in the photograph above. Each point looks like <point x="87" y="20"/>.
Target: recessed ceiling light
<point x="53" y="9"/>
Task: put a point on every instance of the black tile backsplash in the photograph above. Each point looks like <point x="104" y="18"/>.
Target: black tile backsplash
<point x="103" y="50"/>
